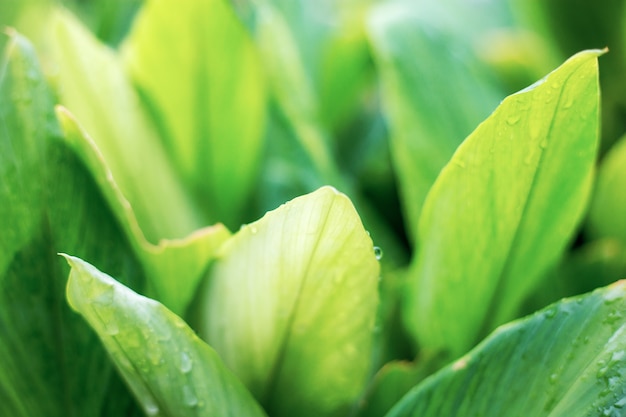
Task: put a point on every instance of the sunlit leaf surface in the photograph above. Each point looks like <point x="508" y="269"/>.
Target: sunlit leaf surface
<point x="208" y="94"/>
<point x="504" y="209"/>
<point x="290" y="305"/>
<point x="171" y="371"/>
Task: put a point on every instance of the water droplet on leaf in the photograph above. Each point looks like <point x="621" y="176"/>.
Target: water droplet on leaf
<point x="111" y="328"/>
<point x="151" y="408"/>
<point x="378" y="253"/>
<point x="185" y="363"/>
<point x="189" y="396"/>
<point x="512" y="120"/>
<point x="459" y="163"/>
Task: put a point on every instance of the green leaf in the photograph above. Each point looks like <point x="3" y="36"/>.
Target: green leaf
<point x="92" y="85"/>
<point x="392" y="382"/>
<point x="174" y="267"/>
<point x="290" y="305"/>
<point x="293" y="88"/>
<point x="607" y="214"/>
<point x="51" y="363"/>
<point x="504" y="209"/>
<point x="209" y="94"/>
<point x="435" y="92"/>
<point x="170" y="370"/>
<point x="145" y="197"/>
<point x="568" y="360"/>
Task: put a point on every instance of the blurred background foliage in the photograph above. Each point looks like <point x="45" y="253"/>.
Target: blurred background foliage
<point x="325" y="120"/>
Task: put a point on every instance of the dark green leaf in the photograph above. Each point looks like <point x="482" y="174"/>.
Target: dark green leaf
<point x="51" y="364"/>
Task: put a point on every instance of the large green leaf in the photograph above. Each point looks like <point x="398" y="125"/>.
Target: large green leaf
<point x="607" y="214"/>
<point x="435" y="92"/>
<point x="171" y="371"/>
<point x="93" y="86"/>
<point x="174" y="267"/>
<point x="124" y="156"/>
<point x="568" y="360"/>
<point x="505" y="207"/>
<point x="51" y="363"/>
<point x="208" y="91"/>
<point x="290" y="305"/>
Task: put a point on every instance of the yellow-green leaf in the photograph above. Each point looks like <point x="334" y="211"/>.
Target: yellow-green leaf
<point x="290" y="305"/>
<point x="504" y="208"/>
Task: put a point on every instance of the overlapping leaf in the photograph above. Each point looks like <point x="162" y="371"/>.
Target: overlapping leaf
<point x="170" y="370"/>
<point x="124" y="155"/>
<point x="504" y="209"/>
<point x="92" y="84"/>
<point x="50" y="362"/>
<point x="208" y="92"/>
<point x="435" y="92"/>
<point x="290" y="305"/>
<point x="568" y="360"/>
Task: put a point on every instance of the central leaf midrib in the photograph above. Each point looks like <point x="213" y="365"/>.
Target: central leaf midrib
<point x="501" y="281"/>
<point x="274" y="374"/>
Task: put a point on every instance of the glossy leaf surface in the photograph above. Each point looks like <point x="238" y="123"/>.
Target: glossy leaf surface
<point x="170" y="370"/>
<point x="174" y="267"/>
<point x="290" y="305"/>
<point x="568" y="360"/>
<point x="505" y="208"/>
<point x="51" y="363"/>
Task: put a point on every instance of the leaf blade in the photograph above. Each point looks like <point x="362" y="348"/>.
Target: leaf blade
<point x="209" y="95"/>
<point x="170" y="370"/>
<point x="516" y="190"/>
<point x="432" y="104"/>
<point x="277" y="289"/>
<point x="50" y="363"/>
<point x="566" y="360"/>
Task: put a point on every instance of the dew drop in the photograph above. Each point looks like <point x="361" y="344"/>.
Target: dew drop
<point x="512" y="121"/>
<point x="185" y="363"/>
<point x="111" y="328"/>
<point x="543" y="144"/>
<point x="612" y="317"/>
<point x="378" y="253"/>
<point x="189" y="397"/>
<point x="104" y="295"/>
<point x="151" y="408"/>
<point x="554" y="378"/>
<point x="550" y="313"/>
